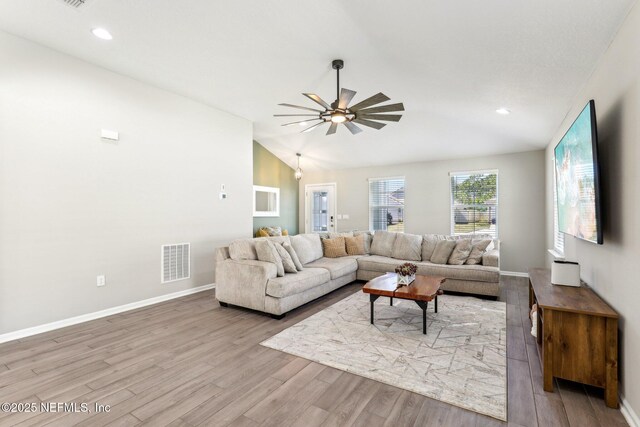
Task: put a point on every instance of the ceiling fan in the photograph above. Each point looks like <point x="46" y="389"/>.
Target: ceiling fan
<point x="363" y="113"/>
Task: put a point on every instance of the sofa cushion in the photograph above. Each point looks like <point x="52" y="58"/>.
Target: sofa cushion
<point x="246" y="248"/>
<point x="267" y="252"/>
<point x="287" y="261"/>
<point x="429" y="242"/>
<point x="292" y="284"/>
<point x="293" y="255"/>
<point x="442" y="252"/>
<point x="355" y="245"/>
<point x="460" y="252"/>
<point x="337" y="267"/>
<point x="379" y="263"/>
<point x="382" y="243"/>
<point x="307" y="246"/>
<point x="478" y="247"/>
<point x="368" y="237"/>
<point x="478" y="273"/>
<point x="334" y="247"/>
<point x="407" y="246"/>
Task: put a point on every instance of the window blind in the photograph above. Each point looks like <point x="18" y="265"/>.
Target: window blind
<point x="474" y="203"/>
<point x="558" y="237"/>
<point x="386" y="204"/>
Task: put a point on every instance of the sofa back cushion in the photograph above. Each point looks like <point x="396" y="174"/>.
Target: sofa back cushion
<point x="442" y="252"/>
<point x="382" y="243"/>
<point x="429" y="242"/>
<point x="246" y="248"/>
<point x="307" y="246"/>
<point x="407" y="246"/>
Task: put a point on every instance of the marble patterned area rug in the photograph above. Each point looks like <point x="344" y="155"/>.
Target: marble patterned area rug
<point x="461" y="361"/>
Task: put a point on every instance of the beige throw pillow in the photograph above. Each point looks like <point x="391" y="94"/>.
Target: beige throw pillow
<point x="355" y="245"/>
<point x="408" y="247"/>
<point x="334" y="248"/>
<point x="287" y="262"/>
<point x="460" y="252"/>
<point x="478" y="249"/>
<point x="442" y="251"/>
<point x="383" y="243"/>
<point x="368" y="236"/>
<point x="293" y="255"/>
<point x="267" y="252"/>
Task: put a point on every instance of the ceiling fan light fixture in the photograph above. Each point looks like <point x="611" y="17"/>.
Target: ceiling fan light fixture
<point x="338" y="117"/>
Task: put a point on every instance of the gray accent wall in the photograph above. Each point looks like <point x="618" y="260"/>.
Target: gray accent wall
<point x="612" y="269"/>
<point x="73" y="206"/>
<point x="270" y="171"/>
<point x="521" y="213"/>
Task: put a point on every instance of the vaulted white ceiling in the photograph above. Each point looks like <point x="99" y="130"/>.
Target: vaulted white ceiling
<point x="452" y="63"/>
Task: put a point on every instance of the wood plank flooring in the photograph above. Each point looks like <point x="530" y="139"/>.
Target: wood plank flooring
<point x="190" y="362"/>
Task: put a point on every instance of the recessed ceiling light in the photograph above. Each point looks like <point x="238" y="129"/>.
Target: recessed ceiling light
<point x="101" y="33"/>
<point x="303" y="123"/>
<point x="503" y="111"/>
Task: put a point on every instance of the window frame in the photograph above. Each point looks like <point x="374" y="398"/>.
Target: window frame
<point x="558" y="236"/>
<point x="451" y="200"/>
<point x="369" y="206"/>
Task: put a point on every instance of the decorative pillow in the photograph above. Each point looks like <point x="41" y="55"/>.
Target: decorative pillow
<point x="285" y="232"/>
<point x="368" y="236"/>
<point x="429" y="242"/>
<point x="267" y="252"/>
<point x="262" y="233"/>
<point x="293" y="255"/>
<point x="478" y="247"/>
<point x="307" y="246"/>
<point x="460" y="252"/>
<point x="355" y="245"/>
<point x="334" y="248"/>
<point x="442" y="251"/>
<point x="407" y="246"/>
<point x="246" y="248"/>
<point x="287" y="262"/>
<point x="273" y="231"/>
<point x="383" y="243"/>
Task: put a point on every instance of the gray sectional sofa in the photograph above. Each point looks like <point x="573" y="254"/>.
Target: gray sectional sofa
<point x="243" y="280"/>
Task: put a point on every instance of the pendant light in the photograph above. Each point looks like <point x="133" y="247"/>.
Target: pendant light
<point x="298" y="173"/>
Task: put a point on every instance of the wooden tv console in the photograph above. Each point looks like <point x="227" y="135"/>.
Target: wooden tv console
<point x="577" y="335"/>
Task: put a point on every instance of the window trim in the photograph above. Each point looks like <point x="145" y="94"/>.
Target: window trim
<point x="385" y="178"/>
<point x="474" y="172"/>
<point x="559" y="238"/>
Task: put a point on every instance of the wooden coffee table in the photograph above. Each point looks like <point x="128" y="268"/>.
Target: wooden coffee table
<point x="422" y="290"/>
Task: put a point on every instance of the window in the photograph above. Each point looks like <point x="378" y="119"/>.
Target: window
<point x="558" y="237"/>
<point x="474" y="203"/>
<point x="386" y="204"/>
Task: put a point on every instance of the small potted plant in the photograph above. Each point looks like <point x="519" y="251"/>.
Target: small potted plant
<point x="406" y="273"/>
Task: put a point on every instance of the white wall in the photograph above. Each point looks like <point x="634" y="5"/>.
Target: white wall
<point x="73" y="207"/>
<point x="613" y="269"/>
<point x="427" y="200"/>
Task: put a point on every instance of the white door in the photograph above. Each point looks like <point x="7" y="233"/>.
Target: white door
<point x="320" y="208"/>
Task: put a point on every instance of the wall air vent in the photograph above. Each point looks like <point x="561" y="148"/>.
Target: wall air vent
<point x="75" y="3"/>
<point x="176" y="262"/>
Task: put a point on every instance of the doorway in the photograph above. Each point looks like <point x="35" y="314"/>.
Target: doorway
<point x="320" y="208"/>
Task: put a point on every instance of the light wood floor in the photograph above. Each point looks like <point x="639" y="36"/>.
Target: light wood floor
<point x="191" y="362"/>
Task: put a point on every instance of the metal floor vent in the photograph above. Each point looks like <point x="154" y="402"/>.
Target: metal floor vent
<point x="176" y="262"/>
<point x="75" y="3"/>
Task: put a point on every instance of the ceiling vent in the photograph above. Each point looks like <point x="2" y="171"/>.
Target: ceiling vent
<point x="75" y="3"/>
<point x="176" y="262"/>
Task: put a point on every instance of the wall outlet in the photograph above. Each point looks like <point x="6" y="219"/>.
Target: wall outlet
<point x="101" y="281"/>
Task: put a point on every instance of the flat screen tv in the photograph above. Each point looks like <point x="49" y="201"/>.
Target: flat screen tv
<point x="577" y="179"/>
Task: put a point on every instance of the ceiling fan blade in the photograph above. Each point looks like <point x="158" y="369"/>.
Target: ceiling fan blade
<point x="312" y="127"/>
<point x="295" y="115"/>
<point x="332" y="129"/>
<point x="315" y="98"/>
<point x="375" y="99"/>
<point x="301" y="121"/>
<point x="370" y="123"/>
<point x="353" y="128"/>
<point x="346" y="95"/>
<point x="304" y="108"/>
<point x="387" y="117"/>
<point x="382" y="108"/>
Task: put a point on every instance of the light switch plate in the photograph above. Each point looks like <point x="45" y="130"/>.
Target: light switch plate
<point x="101" y="281"/>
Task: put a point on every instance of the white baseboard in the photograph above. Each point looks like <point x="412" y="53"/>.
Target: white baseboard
<point x="628" y="413"/>
<point x="22" y="333"/>
<point x="514" y="273"/>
